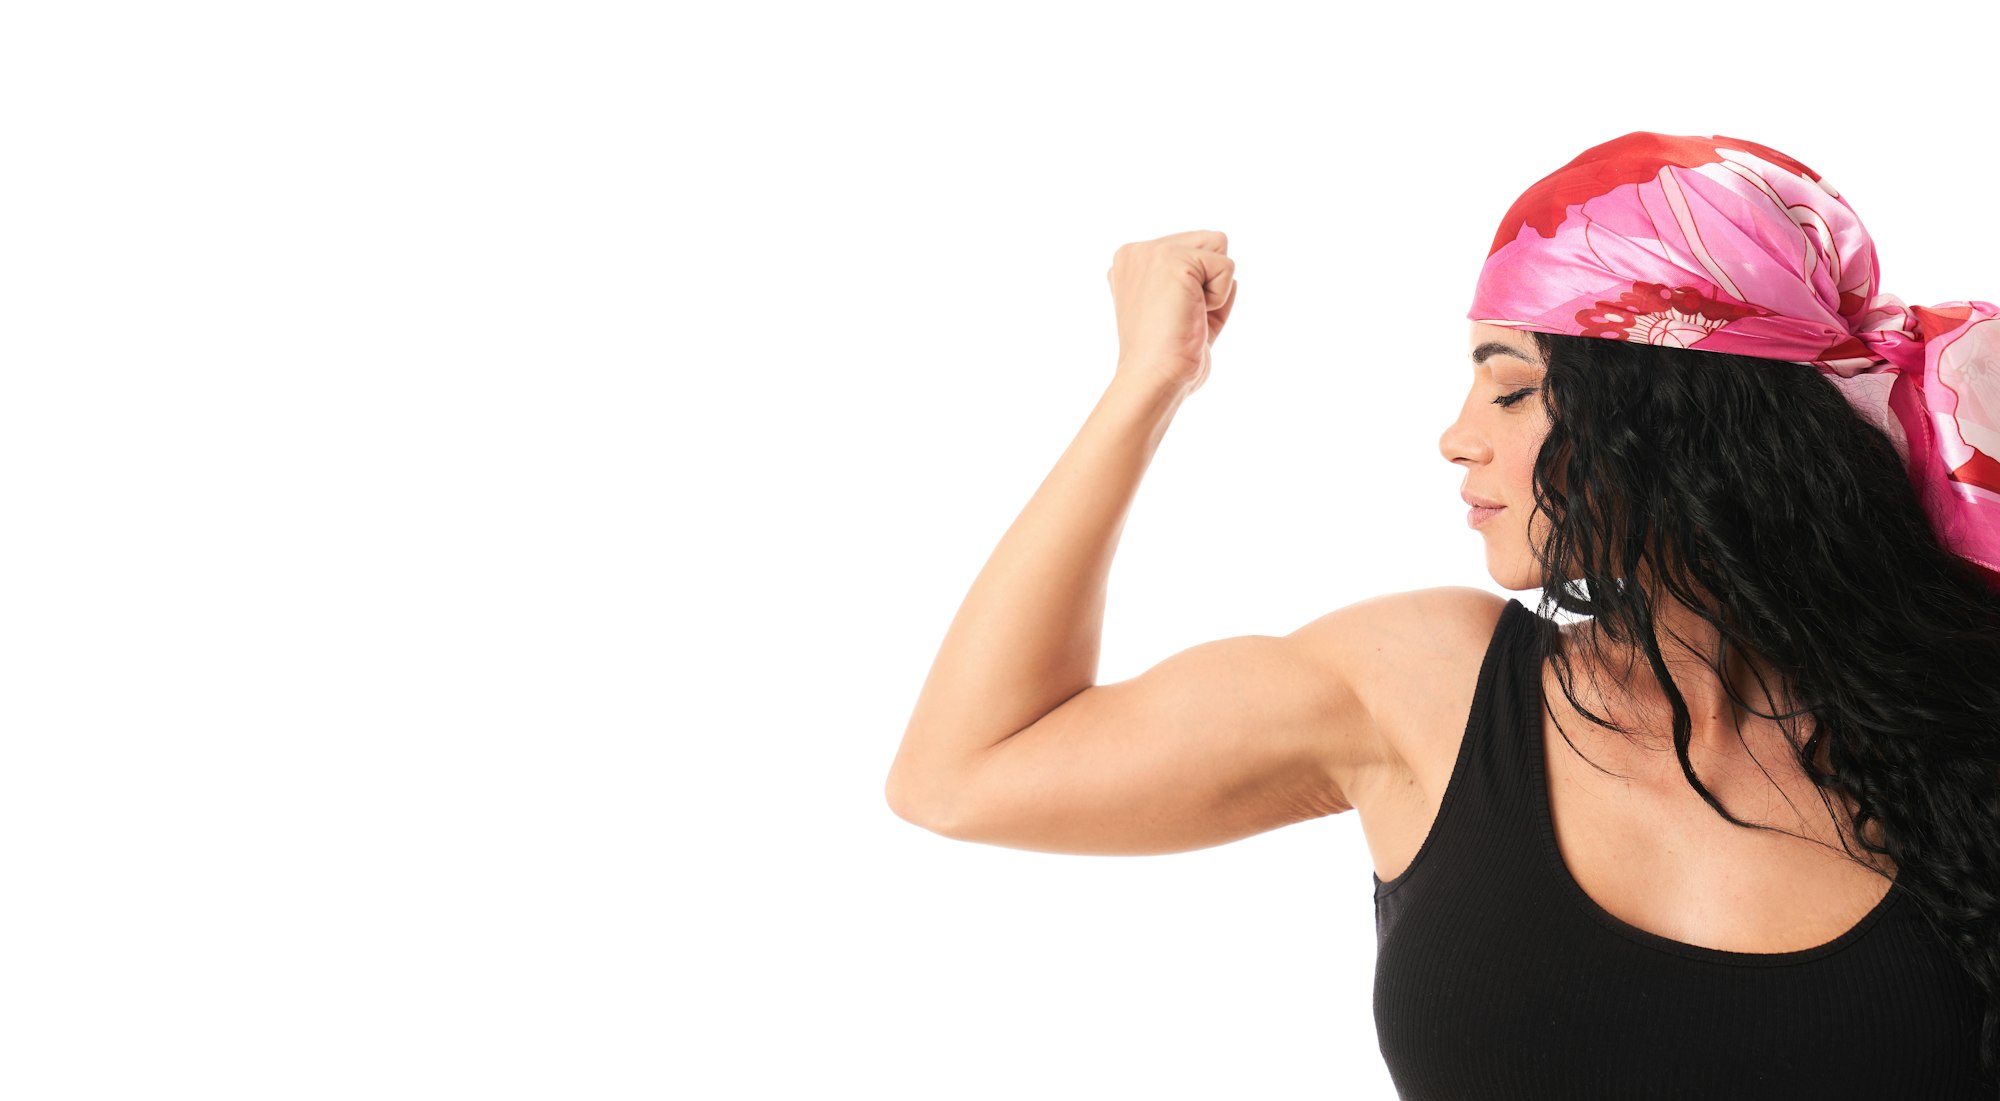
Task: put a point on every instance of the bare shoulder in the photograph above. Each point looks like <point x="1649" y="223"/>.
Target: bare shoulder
<point x="1421" y="630"/>
<point x="1413" y="659"/>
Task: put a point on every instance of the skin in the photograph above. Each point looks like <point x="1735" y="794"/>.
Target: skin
<point x="1497" y="446"/>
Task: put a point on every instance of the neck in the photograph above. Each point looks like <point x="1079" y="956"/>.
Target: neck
<point x="1623" y="687"/>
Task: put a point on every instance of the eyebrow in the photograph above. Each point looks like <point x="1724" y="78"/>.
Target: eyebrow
<point x="1493" y="348"/>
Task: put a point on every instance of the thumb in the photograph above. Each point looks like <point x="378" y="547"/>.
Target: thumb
<point x="1219" y="316"/>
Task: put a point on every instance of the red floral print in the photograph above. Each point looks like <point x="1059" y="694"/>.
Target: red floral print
<point x="1633" y="158"/>
<point x="1653" y="313"/>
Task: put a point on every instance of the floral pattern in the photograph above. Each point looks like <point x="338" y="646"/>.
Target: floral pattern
<point x="1653" y="313"/>
<point x="1631" y="159"/>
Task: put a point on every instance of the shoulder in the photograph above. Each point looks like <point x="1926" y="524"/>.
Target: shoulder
<point x="1412" y="658"/>
<point x="1393" y="630"/>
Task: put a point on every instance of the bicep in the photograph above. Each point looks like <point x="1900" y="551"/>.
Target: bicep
<point x="1218" y="742"/>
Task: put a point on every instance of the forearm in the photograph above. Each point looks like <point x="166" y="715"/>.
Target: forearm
<point x="1026" y="637"/>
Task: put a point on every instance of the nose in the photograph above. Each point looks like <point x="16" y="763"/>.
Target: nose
<point x="1460" y="443"/>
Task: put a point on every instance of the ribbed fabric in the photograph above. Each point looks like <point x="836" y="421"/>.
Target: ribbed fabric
<point x="1496" y="976"/>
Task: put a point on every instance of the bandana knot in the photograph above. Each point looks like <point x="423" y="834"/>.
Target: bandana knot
<point x="1720" y="244"/>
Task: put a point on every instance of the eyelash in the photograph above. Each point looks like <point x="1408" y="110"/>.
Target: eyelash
<point x="1505" y="400"/>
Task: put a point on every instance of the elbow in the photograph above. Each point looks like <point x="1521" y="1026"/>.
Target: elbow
<point x="916" y="805"/>
<point x="904" y="802"/>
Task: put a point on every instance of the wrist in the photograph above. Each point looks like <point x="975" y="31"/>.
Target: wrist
<point x="1145" y="397"/>
<point x="1166" y="379"/>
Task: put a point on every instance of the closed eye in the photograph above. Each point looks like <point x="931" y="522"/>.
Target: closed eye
<point x="1509" y="399"/>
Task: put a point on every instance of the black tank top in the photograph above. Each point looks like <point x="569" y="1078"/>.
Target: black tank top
<point x="1496" y="976"/>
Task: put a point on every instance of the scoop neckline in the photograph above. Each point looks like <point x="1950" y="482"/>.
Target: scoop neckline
<point x="1533" y="702"/>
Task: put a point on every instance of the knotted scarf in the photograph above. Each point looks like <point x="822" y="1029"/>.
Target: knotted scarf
<point x="1726" y="245"/>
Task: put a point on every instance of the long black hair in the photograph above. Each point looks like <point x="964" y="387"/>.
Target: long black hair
<point x="1751" y="491"/>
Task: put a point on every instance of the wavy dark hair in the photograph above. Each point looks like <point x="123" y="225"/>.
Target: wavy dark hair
<point x="1751" y="491"/>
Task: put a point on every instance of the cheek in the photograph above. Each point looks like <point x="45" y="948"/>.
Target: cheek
<point x="1519" y="470"/>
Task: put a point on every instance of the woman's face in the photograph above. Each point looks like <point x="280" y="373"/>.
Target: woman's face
<point x="1497" y="444"/>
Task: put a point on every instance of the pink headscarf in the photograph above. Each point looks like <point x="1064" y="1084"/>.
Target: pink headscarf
<point x="1725" y="245"/>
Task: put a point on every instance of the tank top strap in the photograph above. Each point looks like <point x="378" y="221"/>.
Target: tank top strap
<point x="1484" y="837"/>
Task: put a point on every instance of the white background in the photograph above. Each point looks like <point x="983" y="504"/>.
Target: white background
<point x="483" y="485"/>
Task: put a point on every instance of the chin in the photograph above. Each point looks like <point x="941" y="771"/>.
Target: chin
<point x="1514" y="572"/>
<point x="1513" y="583"/>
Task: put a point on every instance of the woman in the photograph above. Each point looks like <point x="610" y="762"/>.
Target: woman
<point x="1761" y="862"/>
